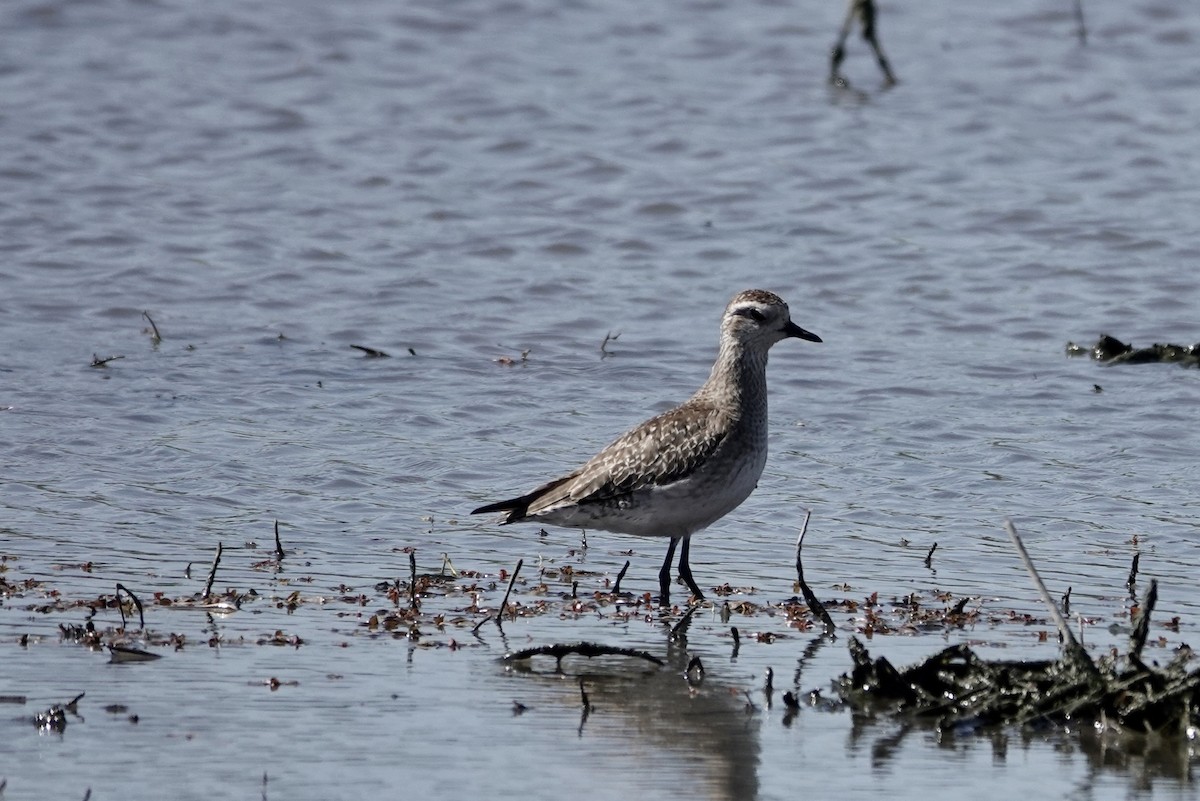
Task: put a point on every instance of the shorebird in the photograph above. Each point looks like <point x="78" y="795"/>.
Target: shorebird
<point x="683" y="470"/>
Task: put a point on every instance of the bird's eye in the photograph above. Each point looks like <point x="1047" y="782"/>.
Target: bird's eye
<point x="756" y="315"/>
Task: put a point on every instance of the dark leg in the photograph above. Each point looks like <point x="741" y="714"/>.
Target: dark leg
<point x="685" y="570"/>
<point x="664" y="575"/>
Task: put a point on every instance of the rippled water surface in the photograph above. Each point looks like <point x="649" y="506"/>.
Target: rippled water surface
<point x="486" y="190"/>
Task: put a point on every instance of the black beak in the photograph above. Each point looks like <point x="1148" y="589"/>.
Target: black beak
<point x="793" y="330"/>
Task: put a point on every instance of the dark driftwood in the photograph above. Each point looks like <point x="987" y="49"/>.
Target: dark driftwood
<point x="1114" y="351"/>
<point x="588" y="649"/>
<point x="956" y="688"/>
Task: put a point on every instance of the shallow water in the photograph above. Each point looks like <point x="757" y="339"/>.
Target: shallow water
<point x="457" y="183"/>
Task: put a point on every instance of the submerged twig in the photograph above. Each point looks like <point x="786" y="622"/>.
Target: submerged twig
<point x="929" y="556"/>
<point x="141" y="617"/>
<point x="1133" y="571"/>
<point x="212" y="574"/>
<point x="1081" y="28"/>
<point x="278" y="543"/>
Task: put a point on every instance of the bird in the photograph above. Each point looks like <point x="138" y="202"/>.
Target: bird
<point x="680" y="471"/>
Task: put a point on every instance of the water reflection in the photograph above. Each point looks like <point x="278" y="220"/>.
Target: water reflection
<point x="674" y="712"/>
<point x="1143" y="760"/>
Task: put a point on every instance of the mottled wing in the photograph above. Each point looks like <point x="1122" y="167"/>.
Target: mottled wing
<point x="660" y="451"/>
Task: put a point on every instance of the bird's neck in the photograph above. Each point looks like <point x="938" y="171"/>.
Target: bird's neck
<point x="738" y="378"/>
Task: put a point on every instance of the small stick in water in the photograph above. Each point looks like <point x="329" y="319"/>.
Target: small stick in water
<point x="1133" y="571"/>
<point x="155" y="336"/>
<point x="616" y="590"/>
<point x="278" y="544"/>
<point x="372" y="353"/>
<point x="212" y="574"/>
<point x="1072" y="646"/>
<point x="511" y="581"/>
<point x="609" y="337"/>
<point x="929" y="556"/>
<point x="412" y="584"/>
<point x="98" y="362"/>
<point x="814" y="603"/>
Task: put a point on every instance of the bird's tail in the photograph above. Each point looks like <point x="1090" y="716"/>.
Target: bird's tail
<point x="518" y="508"/>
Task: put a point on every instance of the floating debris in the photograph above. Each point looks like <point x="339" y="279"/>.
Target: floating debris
<point x="962" y="692"/>
<point x="1113" y="351"/>
<point x="588" y="649"/>
<point x="54" y="719"/>
<point x="123" y="653"/>
<point x="99" y="362"/>
<point x="508" y="361"/>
